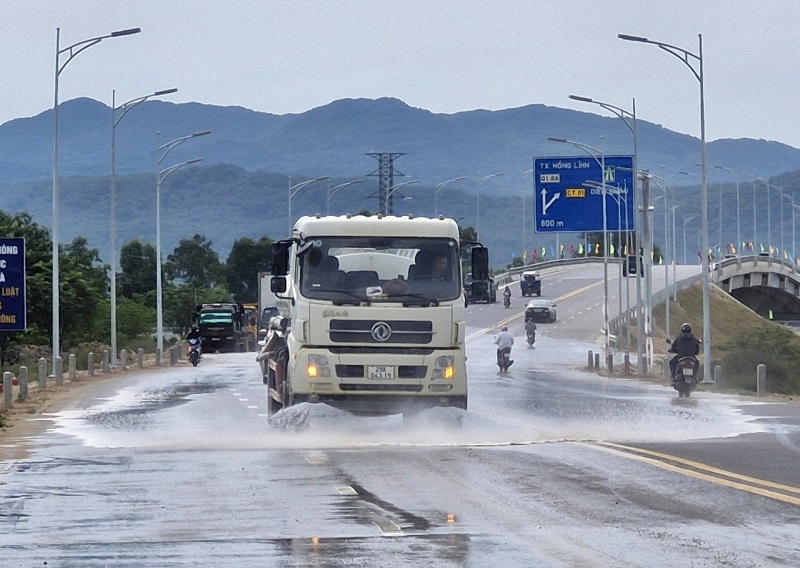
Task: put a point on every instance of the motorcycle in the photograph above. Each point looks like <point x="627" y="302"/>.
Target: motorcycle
<point x="531" y="337"/>
<point x="504" y="359"/>
<point x="194" y="351"/>
<point x="507" y="301"/>
<point x="685" y="380"/>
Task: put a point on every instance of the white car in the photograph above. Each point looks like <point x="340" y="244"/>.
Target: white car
<point x="541" y="310"/>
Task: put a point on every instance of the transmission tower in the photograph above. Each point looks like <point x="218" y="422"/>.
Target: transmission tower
<point x="386" y="173"/>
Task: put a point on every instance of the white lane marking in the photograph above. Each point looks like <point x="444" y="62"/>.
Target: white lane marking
<point x="252" y="406"/>
<point x="244" y="400"/>
<point x="346" y="490"/>
<point x="388" y="527"/>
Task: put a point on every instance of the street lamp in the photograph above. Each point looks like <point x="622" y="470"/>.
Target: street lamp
<point x="71" y="51"/>
<point x="124" y="108"/>
<point x="162" y="152"/>
<point x="695" y="64"/>
<point x="478" y="215"/>
<point x="334" y="190"/>
<point x="738" y="220"/>
<point x="524" y="217"/>
<point x="395" y="187"/>
<point x="686" y="220"/>
<point x="293" y="189"/>
<point x="625" y="115"/>
<point x="439" y="187"/>
<point x="594" y="153"/>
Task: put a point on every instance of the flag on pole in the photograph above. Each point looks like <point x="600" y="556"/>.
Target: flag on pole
<point x="580" y="249"/>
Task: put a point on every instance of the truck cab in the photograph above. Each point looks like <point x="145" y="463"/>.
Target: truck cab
<point x="221" y="326"/>
<point x="373" y="315"/>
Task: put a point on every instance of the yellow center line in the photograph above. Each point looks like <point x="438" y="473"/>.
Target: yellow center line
<point x="519" y="314"/>
<point x="641" y="455"/>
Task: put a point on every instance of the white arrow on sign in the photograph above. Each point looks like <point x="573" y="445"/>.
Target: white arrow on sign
<point x="546" y="204"/>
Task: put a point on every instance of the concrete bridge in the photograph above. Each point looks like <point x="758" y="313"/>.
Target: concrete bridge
<point x="762" y="283"/>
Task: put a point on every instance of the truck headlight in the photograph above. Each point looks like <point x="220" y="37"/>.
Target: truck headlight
<point x="443" y="368"/>
<point x="318" y="366"/>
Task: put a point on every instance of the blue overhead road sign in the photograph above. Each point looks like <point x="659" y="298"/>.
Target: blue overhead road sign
<point x="568" y="195"/>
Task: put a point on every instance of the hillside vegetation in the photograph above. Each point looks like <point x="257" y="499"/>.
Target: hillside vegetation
<point x="741" y="340"/>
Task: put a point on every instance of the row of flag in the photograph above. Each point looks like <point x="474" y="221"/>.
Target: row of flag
<point x="579" y="250"/>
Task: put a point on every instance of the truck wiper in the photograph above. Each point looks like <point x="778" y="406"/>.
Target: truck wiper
<point x="418" y="300"/>
<point x="349" y="299"/>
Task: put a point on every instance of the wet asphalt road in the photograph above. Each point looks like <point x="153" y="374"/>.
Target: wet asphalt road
<point x="551" y="466"/>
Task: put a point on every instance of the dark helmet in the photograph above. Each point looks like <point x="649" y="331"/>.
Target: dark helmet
<point x="194" y="327"/>
<point x="686" y="328"/>
<point x="504" y="328"/>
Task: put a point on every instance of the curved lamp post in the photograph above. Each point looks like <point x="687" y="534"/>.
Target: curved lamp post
<point x="70" y="51"/>
<point x="123" y="108"/>
<point x="629" y="118"/>
<point x="439" y="187"/>
<point x="478" y="216"/>
<point x="686" y="220"/>
<point x="163" y="150"/>
<point x="335" y="189"/>
<point x="601" y="160"/>
<point x="395" y="187"/>
<point x="694" y="61"/>
<point x="293" y="189"/>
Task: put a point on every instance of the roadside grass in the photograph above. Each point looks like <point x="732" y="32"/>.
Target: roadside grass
<point x="741" y="340"/>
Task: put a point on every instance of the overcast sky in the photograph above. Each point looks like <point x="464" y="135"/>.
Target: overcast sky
<point x="287" y="56"/>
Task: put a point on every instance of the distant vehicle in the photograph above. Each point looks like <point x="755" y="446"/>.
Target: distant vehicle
<point x="480" y="291"/>
<point x="541" y="310"/>
<point x="220" y="324"/>
<point x="730" y="255"/>
<point x="531" y="283"/>
<point x="630" y="266"/>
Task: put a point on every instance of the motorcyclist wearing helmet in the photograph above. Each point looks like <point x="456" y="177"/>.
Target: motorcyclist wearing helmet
<point x="504" y="340"/>
<point x="194" y="333"/>
<point x="685" y="345"/>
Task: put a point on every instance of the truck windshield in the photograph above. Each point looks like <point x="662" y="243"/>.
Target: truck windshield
<point x="380" y="268"/>
<point x="216" y="317"/>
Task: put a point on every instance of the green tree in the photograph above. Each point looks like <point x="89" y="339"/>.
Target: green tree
<point x="137" y="262"/>
<point x="195" y="263"/>
<point x="84" y="284"/>
<point x="246" y="260"/>
<point x="180" y="302"/>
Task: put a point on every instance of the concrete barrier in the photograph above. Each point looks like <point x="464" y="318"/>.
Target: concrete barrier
<point x="761" y="380"/>
<point x="23" y="383"/>
<point x="42" y="373"/>
<point x="8" y="390"/>
<point x="73" y="366"/>
<point x="58" y="370"/>
<point x="90" y="364"/>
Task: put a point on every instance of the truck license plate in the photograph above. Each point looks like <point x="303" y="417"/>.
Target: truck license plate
<point x="380" y="372"/>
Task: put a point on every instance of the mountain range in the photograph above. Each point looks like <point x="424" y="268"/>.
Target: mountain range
<point x="251" y="158"/>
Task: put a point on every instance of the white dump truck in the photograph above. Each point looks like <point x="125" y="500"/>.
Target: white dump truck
<point x="371" y="314"/>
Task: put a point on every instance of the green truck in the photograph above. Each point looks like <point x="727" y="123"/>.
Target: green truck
<point x="221" y="326"/>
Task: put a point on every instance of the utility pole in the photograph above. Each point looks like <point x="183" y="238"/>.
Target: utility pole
<point x="385" y="174"/>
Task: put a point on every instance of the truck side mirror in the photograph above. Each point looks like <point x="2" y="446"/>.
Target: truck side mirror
<point x="480" y="263"/>
<point x="280" y="258"/>
<point x="278" y="284"/>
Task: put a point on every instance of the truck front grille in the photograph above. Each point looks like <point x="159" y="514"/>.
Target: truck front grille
<point x="381" y="332"/>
